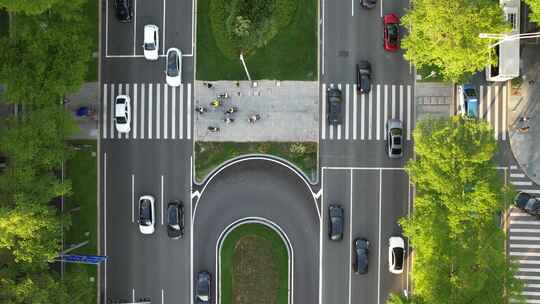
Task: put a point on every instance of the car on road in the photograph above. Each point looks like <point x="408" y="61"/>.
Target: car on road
<point x="204" y="282"/>
<point x="528" y="203"/>
<point x="391" y="32"/>
<point x="335" y="222"/>
<point x="173" y="64"/>
<point x="151" y="42"/>
<point x="468" y="101"/>
<point x="175" y="219"/>
<point x="124" y="11"/>
<point x="363" y="77"/>
<point x="361" y="252"/>
<point x="394" y="138"/>
<point x="368" y="3"/>
<point x="147" y="216"/>
<point x="122" y="114"/>
<point x="333" y="97"/>
<point x="396" y="254"/>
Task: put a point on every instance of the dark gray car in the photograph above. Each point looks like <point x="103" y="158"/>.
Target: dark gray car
<point x="528" y="203"/>
<point x="368" y="3"/>
<point x="335" y="222"/>
<point x="394" y="138"/>
<point x="363" y="77"/>
<point x="204" y="283"/>
<point x="333" y="96"/>
<point x="175" y="219"/>
<point x="361" y="252"/>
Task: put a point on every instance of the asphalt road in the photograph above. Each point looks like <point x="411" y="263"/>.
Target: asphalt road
<point x="258" y="188"/>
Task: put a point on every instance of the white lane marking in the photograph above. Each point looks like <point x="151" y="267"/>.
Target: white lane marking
<point x="370" y="112"/>
<point x="105" y="105"/>
<point x="165" y="111"/>
<point x="188" y="101"/>
<point x="379" y="250"/>
<point x="496" y="118"/>
<point x="132" y="198"/>
<point x="339" y="126"/>
<point x="525" y="238"/>
<point x="323" y="114"/>
<point x="381" y="17"/>
<point x="162" y="296"/>
<point x="524" y="230"/>
<point x="322" y="47"/>
<point x="504" y="108"/>
<point x="513" y="167"/>
<point x="385" y="117"/>
<point x="517" y="183"/>
<point x="163" y="26"/>
<point x="347" y="112"/>
<point x="528" y="269"/>
<point x="173" y="112"/>
<point x="133" y="295"/>
<point x="355" y="111"/>
<point x="106" y="28"/>
<point x="352" y="14"/>
<point x="134" y="117"/>
<point x="142" y="110"/>
<point x="401" y="102"/>
<point x="517" y="214"/>
<point x="409" y="109"/>
<point x="488" y="104"/>
<point x="533" y="254"/>
<point x="530" y="293"/>
<point x="518" y="175"/>
<point x="150" y="111"/>
<point x="162" y="199"/>
<point x="534" y="222"/>
<point x="134" y="26"/>
<point x="350" y="231"/>
<point x="526" y="277"/>
<point x="378" y="112"/>
<point x="533" y="262"/>
<point x="112" y="111"/>
<point x="105" y="218"/>
<point x="191" y="215"/>
<point x="321" y="240"/>
<point x="158" y="111"/>
<point x="393" y="101"/>
<point x="181" y="115"/>
<point x="481" y="101"/>
<point x="531" y="191"/>
<point x="362" y="115"/>
<point x="409" y="254"/>
<point x="528" y="246"/>
<point x="531" y="285"/>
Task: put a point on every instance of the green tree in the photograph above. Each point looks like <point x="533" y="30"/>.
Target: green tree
<point x="459" y="247"/>
<point x="30" y="7"/>
<point x="445" y="34"/>
<point x="535" y="10"/>
<point x="46" y="59"/>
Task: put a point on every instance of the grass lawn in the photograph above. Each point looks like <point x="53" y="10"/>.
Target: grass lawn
<point x="290" y="55"/>
<point x="4" y="23"/>
<point x="91" y="10"/>
<point x="81" y="170"/>
<point x="209" y="155"/>
<point x="254" y="266"/>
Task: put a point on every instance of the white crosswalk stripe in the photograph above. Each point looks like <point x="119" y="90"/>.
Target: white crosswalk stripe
<point x="158" y="111"/>
<point x="493" y="108"/>
<point x="524" y="238"/>
<point x="365" y="115"/>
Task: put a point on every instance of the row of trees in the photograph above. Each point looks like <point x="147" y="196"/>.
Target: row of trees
<point x="459" y="254"/>
<point x="44" y="57"/>
<point x="444" y="34"/>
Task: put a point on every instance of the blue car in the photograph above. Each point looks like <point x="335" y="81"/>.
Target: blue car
<point x="470" y="101"/>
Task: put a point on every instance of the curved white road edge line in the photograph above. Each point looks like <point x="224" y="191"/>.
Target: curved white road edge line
<point x="270" y="159"/>
<point x="270" y="224"/>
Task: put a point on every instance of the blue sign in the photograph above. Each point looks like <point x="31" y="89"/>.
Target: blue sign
<point x="83" y="259"/>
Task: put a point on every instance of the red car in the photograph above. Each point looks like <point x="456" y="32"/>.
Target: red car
<point x="391" y="32"/>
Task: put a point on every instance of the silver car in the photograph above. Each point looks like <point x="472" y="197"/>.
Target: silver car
<point x="394" y="138"/>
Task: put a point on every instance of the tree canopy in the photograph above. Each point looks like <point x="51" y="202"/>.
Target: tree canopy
<point x="30" y="7"/>
<point x="445" y="34"/>
<point x="454" y="229"/>
<point x="534" y="15"/>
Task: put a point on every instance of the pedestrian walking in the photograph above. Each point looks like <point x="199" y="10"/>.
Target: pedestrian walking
<point x="228" y="120"/>
<point x="253" y="118"/>
<point x="215" y="103"/>
<point x="213" y="129"/>
<point x="208" y="85"/>
<point x="200" y="109"/>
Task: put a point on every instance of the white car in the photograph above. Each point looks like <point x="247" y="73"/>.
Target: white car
<point x="396" y="254"/>
<point x="122" y="114"/>
<point x="173" y="67"/>
<point x="151" y="42"/>
<point x="147" y="216"/>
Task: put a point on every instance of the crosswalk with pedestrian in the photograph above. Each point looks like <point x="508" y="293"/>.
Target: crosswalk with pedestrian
<point x="158" y="111"/>
<point x="524" y="238"/>
<point x="365" y="115"/>
<point x="493" y="108"/>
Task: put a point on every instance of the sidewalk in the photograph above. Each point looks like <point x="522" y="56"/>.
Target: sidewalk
<point x="87" y="96"/>
<point x="433" y="99"/>
<point x="524" y="102"/>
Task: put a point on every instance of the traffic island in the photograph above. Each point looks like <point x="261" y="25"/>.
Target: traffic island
<point x="254" y="266"/>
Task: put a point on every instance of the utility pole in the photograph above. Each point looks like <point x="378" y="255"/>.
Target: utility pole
<point x="505" y="37"/>
<point x="245" y="67"/>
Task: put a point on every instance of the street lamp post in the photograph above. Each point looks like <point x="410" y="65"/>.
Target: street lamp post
<point x="245" y="66"/>
<point x="505" y="37"/>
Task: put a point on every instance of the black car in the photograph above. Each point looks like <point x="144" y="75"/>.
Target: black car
<point x="175" y="219"/>
<point x="368" y="3"/>
<point x="363" y="77"/>
<point x="124" y="11"/>
<point x="528" y="203"/>
<point x="204" y="280"/>
<point x="333" y="96"/>
<point x="361" y="252"/>
<point x="335" y="222"/>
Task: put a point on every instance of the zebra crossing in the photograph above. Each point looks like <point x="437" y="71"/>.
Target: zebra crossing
<point x="365" y="115"/>
<point x="493" y="108"/>
<point x="158" y="111"/>
<point x="524" y="239"/>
